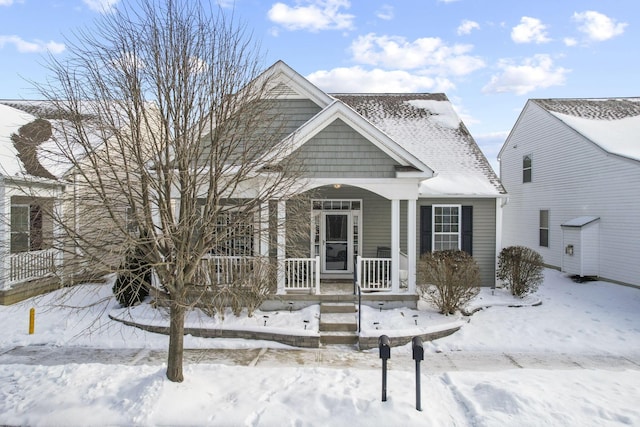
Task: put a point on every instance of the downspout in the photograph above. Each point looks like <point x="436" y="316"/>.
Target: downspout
<point x="501" y="202"/>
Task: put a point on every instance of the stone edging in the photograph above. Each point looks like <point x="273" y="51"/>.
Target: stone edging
<point x="367" y="343"/>
<point x="305" y="341"/>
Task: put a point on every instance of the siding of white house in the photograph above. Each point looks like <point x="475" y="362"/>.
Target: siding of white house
<point x="571" y="177"/>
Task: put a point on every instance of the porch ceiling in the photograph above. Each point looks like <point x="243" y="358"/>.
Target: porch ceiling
<point x="389" y="188"/>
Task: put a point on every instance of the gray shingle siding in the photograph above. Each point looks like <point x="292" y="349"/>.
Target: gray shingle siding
<point x="341" y="152"/>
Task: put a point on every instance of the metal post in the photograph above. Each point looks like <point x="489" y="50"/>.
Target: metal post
<point x="418" y="398"/>
<point x="385" y="354"/>
<point x="384" y="380"/>
<point x="418" y="356"/>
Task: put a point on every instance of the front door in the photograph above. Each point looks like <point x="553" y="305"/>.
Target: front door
<point x="336" y="242"/>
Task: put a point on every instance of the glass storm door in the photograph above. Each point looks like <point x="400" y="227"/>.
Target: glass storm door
<point x="336" y="243"/>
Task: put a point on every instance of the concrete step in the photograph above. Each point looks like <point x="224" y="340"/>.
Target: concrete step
<point x="338" y="322"/>
<point x="337" y="307"/>
<point x="337" y="338"/>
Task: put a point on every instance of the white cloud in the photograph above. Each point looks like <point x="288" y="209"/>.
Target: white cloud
<point x="598" y="27"/>
<point x="356" y="79"/>
<point x="570" y="41"/>
<point x="533" y="73"/>
<point x="385" y="12"/>
<point x="466" y="26"/>
<point x="225" y="3"/>
<point x="6" y="2"/>
<point x="102" y="6"/>
<point x="35" y="46"/>
<point x="429" y="54"/>
<point x="530" y="30"/>
<point x="314" y="16"/>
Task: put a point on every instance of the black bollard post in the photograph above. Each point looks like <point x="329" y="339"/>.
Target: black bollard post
<point x="418" y="356"/>
<point x="385" y="354"/>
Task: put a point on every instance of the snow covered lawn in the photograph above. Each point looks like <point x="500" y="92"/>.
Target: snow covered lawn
<point x="593" y="318"/>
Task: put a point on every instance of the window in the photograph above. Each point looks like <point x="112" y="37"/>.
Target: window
<point x="526" y="168"/>
<point x="234" y="234"/>
<point x="544" y="228"/>
<point x="131" y="221"/>
<point x="26" y="228"/>
<point x="446" y="227"/>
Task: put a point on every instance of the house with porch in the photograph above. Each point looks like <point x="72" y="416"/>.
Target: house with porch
<point x="389" y="177"/>
<point x="30" y="260"/>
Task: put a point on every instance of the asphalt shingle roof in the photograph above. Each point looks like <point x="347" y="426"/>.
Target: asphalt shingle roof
<point x="426" y="125"/>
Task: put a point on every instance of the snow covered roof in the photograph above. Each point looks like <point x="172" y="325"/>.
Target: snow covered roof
<point x="11" y="119"/>
<point x="27" y="130"/>
<point x="580" y="221"/>
<point x="611" y="123"/>
<point x="427" y="126"/>
<point x="41" y="124"/>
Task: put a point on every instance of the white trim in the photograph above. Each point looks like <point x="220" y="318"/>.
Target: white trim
<point x="411" y="245"/>
<point x="389" y="188"/>
<point x="264" y="229"/>
<point x="339" y="110"/>
<point x="498" y="231"/>
<point x="280" y="72"/>
<point x="433" y="225"/>
<point x="395" y="245"/>
<point x="281" y="230"/>
<point x="321" y="214"/>
<point x="5" y="260"/>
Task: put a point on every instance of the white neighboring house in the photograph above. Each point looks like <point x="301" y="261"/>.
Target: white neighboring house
<point x="29" y="260"/>
<point x="572" y="170"/>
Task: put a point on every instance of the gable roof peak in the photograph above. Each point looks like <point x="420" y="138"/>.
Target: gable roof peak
<point x="285" y="82"/>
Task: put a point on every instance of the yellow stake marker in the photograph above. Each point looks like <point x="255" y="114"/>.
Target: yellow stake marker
<point x="32" y="320"/>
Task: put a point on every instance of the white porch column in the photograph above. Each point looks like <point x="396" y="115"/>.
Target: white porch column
<point x="411" y="245"/>
<point x="5" y="236"/>
<point x="395" y="245"/>
<point x="58" y="232"/>
<point x="264" y="230"/>
<point x="281" y="227"/>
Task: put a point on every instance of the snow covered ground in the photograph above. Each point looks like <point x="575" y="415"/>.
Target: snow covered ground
<point x="594" y="319"/>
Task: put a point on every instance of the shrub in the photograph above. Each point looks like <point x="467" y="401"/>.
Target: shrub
<point x="520" y="268"/>
<point x="449" y="279"/>
<point x="133" y="281"/>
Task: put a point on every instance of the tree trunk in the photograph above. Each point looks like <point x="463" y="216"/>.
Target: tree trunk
<point x="176" y="342"/>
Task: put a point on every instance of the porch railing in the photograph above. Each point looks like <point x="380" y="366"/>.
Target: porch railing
<point x="302" y="274"/>
<point x="374" y="274"/>
<point x="225" y="270"/>
<point x="31" y="265"/>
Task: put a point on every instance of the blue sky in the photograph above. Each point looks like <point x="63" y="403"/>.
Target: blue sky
<point x="488" y="56"/>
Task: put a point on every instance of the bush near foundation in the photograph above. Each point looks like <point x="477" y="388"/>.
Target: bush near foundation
<point x="448" y="279"/>
<point x="133" y="281"/>
<point x="521" y="269"/>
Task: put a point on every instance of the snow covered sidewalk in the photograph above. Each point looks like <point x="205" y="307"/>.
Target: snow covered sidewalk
<point x="328" y="357"/>
<point x="572" y="361"/>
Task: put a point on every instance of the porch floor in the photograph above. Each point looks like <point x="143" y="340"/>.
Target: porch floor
<point x="339" y="291"/>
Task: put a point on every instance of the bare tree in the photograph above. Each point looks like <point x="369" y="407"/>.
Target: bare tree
<point x="449" y="279"/>
<point x="167" y="126"/>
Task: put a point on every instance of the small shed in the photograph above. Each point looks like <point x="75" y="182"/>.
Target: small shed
<point x="581" y="242"/>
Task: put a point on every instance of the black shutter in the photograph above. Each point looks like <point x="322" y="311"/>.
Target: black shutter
<point x="467" y="229"/>
<point x="425" y="229"/>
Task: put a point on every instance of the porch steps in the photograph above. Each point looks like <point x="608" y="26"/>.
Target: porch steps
<point x="338" y="323"/>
